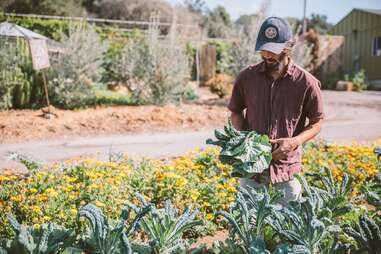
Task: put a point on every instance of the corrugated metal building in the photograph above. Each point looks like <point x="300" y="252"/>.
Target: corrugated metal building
<point x="362" y="46"/>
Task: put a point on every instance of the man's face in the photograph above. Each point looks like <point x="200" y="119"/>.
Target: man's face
<point x="272" y="61"/>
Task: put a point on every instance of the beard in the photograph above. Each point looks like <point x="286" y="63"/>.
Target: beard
<point x="271" y="67"/>
<point x="277" y="66"/>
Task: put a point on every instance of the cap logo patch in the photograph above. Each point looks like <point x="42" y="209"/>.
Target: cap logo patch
<point x="271" y="32"/>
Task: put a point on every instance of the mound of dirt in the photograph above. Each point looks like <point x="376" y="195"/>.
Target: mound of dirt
<point x="23" y="125"/>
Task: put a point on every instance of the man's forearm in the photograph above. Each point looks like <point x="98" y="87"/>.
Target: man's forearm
<point x="310" y="131"/>
<point x="238" y="120"/>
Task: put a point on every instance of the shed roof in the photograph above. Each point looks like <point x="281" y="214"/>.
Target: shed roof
<point x="373" y="11"/>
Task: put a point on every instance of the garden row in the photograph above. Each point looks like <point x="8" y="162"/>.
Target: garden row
<point x="189" y="197"/>
<point x="90" y="59"/>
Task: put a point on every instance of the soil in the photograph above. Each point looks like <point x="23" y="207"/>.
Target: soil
<point x="350" y="110"/>
<point x="26" y="125"/>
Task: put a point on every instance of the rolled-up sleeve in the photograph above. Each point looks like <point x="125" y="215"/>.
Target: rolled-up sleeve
<point x="237" y="101"/>
<point x="314" y="108"/>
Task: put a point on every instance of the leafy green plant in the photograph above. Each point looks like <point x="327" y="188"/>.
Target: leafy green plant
<point x="30" y="163"/>
<point x="104" y="238"/>
<point x="248" y="152"/>
<point x="302" y="227"/>
<point x="248" y="218"/>
<point x="367" y="234"/>
<point x="358" y="79"/>
<point x="309" y="225"/>
<point x="372" y="192"/>
<point x="165" y="228"/>
<point x="335" y="194"/>
<point x="50" y="238"/>
<point x="189" y="94"/>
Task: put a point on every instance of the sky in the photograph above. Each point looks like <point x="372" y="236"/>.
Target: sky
<point x="334" y="9"/>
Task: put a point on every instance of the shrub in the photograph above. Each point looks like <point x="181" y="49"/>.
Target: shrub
<point x="77" y="68"/>
<point x="223" y="55"/>
<point x="221" y="84"/>
<point x="242" y="51"/>
<point x="155" y="70"/>
<point x="359" y="80"/>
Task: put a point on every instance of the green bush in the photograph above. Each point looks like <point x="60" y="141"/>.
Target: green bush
<point x="224" y="58"/>
<point x="360" y="80"/>
<point x="50" y="28"/>
<point x="154" y="70"/>
<point x="78" y="68"/>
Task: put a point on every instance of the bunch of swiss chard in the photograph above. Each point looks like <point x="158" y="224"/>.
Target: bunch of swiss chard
<point x="247" y="151"/>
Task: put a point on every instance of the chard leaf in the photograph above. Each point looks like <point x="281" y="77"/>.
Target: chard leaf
<point x="248" y="152"/>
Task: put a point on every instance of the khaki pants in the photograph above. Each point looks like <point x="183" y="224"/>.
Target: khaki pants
<point x="292" y="189"/>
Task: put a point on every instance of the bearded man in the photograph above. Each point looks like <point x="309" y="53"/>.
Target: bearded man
<point x="277" y="97"/>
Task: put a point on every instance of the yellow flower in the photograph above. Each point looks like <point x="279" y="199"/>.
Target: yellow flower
<point x="36" y="209"/>
<point x="4" y="178"/>
<point x="42" y="197"/>
<point x="221" y="195"/>
<point x="37" y="226"/>
<point x="194" y="195"/>
<point x="69" y="179"/>
<point x="181" y="182"/>
<point x="40" y="175"/>
<point x="206" y="204"/>
<point x="33" y="190"/>
<point x="93" y="186"/>
<point x="73" y="211"/>
<point x="12" y="178"/>
<point x="61" y="215"/>
<point x="17" y="198"/>
<point x="99" y="204"/>
<point x="51" y="192"/>
<point x="47" y="218"/>
<point x="159" y="176"/>
<point x="209" y="216"/>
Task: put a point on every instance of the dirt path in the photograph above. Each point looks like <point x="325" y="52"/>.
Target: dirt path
<point x="138" y="131"/>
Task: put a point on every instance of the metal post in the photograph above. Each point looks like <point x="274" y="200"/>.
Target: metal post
<point x="304" y="17"/>
<point x="46" y="91"/>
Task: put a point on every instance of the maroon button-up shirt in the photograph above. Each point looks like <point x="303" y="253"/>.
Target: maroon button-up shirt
<point x="278" y="108"/>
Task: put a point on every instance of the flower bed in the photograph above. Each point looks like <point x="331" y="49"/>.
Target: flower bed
<point x="198" y="180"/>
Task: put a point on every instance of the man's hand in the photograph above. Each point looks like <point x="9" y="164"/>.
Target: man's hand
<point x="283" y="146"/>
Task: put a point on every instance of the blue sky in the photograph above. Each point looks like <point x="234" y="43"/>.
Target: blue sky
<point x="334" y="9"/>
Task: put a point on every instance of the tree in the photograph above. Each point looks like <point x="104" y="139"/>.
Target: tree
<point x="245" y="20"/>
<point x="319" y="23"/>
<point x="218" y="22"/>
<point x="195" y="6"/>
<point x="135" y="9"/>
<point x="47" y="7"/>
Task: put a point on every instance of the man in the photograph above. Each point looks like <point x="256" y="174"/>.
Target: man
<point x="278" y="97"/>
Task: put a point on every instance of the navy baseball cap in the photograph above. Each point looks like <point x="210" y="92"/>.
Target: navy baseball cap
<point x="273" y="35"/>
